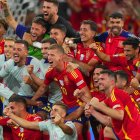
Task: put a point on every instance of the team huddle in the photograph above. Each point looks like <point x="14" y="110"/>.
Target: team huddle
<point x="56" y="83"/>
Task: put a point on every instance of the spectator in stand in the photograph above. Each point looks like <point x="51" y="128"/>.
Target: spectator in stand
<point x="3" y="30"/>
<point x="17" y="106"/>
<point x="87" y="9"/>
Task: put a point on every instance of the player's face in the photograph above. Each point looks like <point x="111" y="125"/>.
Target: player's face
<point x="129" y="52"/>
<point x="49" y="10"/>
<point x="54" y="58"/>
<point x="58" y="35"/>
<point x="15" y="108"/>
<point x="37" y="32"/>
<point x="104" y="82"/>
<point x="2" y="30"/>
<point x="86" y="33"/>
<point x="19" y="52"/>
<point x="96" y="75"/>
<point x="56" y="109"/>
<point x="44" y="50"/>
<point x="116" y="25"/>
<point x="120" y="82"/>
<point x="8" y="48"/>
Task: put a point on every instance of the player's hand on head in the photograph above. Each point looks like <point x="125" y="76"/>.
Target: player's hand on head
<point x="57" y="120"/>
<point x="30" y="69"/>
<point x="7" y="111"/>
<point x="134" y="83"/>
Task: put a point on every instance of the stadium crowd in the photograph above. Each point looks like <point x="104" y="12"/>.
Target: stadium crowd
<point x="62" y="80"/>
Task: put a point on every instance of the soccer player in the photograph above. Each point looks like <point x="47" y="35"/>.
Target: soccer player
<point x="18" y="105"/>
<point x="83" y="55"/>
<point x="56" y="126"/>
<point x="37" y="31"/>
<point x="124" y="84"/>
<point x="3" y="29"/>
<point x="16" y="70"/>
<point x="67" y="78"/>
<point x="50" y="15"/>
<point x="126" y="61"/>
<point x="53" y="93"/>
<point x="58" y="32"/>
<point x="119" y="106"/>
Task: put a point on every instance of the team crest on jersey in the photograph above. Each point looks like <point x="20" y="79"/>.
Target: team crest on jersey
<point x="66" y="80"/>
<point x="120" y="44"/>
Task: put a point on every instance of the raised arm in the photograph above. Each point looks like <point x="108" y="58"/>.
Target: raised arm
<point x="40" y="92"/>
<point x="101" y="55"/>
<point x="8" y="15"/>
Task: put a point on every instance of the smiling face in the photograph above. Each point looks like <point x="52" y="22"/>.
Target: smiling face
<point x="56" y="109"/>
<point x="116" y="25"/>
<point x="58" y="35"/>
<point x="54" y="58"/>
<point x="130" y="52"/>
<point x="20" y="53"/>
<point x="104" y="82"/>
<point x="96" y="75"/>
<point x="8" y="48"/>
<point x="49" y="10"/>
<point x="44" y="50"/>
<point x="16" y="108"/>
<point x="37" y="32"/>
<point x="86" y="33"/>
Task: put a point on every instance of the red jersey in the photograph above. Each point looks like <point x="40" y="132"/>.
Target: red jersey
<point x="99" y="95"/>
<point x="69" y="81"/>
<point x="19" y="133"/>
<point x="129" y="127"/>
<point x="126" y="65"/>
<point x="86" y="54"/>
<point x="2" y="46"/>
<point x="136" y="96"/>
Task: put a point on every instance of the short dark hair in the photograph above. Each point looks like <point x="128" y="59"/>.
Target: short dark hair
<point x="49" y="40"/>
<point x="116" y="15"/>
<point x="4" y="23"/>
<point x="132" y="41"/>
<point x="92" y="24"/>
<point x="64" y="106"/>
<point x="23" y="42"/>
<point x="39" y="20"/>
<point x="101" y="66"/>
<point x="55" y="2"/>
<point x="60" y="27"/>
<point x="56" y="47"/>
<point x="18" y="99"/>
<point x="109" y="73"/>
<point x="123" y="75"/>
